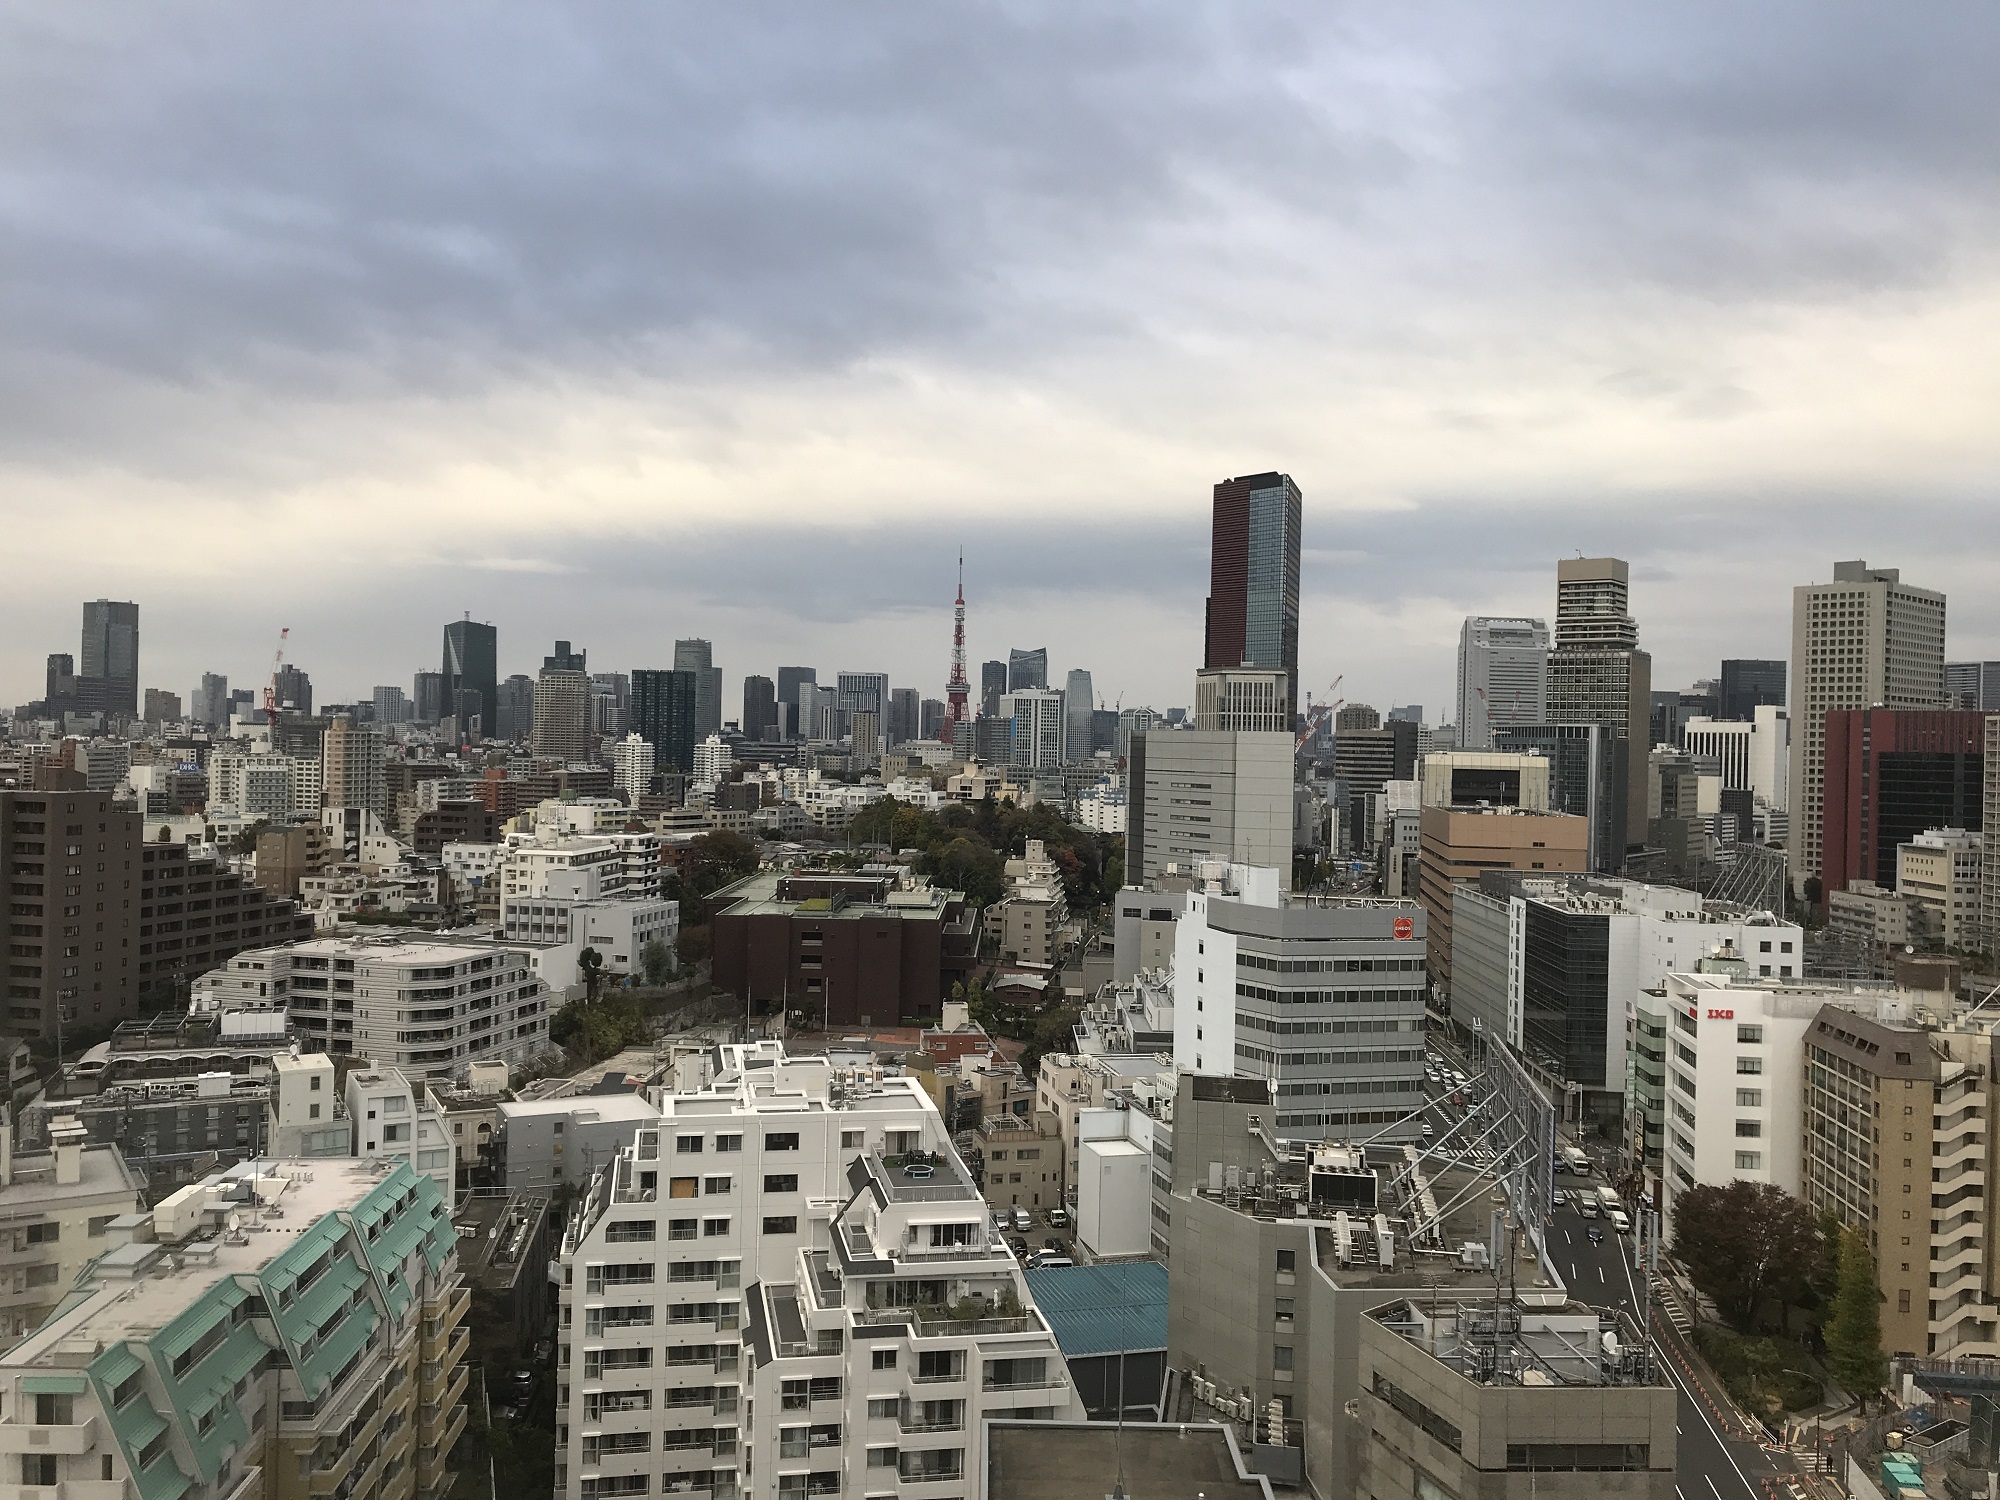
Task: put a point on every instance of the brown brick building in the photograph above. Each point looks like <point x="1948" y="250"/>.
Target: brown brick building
<point x="848" y="950"/>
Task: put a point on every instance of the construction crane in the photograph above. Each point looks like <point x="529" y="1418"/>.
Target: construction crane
<point x="271" y="687"/>
<point x="1317" y="715"/>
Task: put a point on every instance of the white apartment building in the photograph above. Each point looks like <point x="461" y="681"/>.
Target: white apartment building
<point x="1755" y="756"/>
<point x="1038" y="725"/>
<point x="1735" y="1061"/>
<point x="427" y="1008"/>
<point x="802" y="1244"/>
<point x="1863" y="640"/>
<point x="1941" y="868"/>
<point x="396" y="1118"/>
<point x="555" y="816"/>
<point x="1100" y="808"/>
<point x="712" y="760"/>
<point x="262" y="784"/>
<point x="584" y="866"/>
<point x="633" y="761"/>
<point x="618" y="929"/>
<point x="55" y="1207"/>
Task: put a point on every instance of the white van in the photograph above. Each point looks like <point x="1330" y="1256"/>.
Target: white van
<point x="1619" y="1221"/>
<point x="1022" y="1223"/>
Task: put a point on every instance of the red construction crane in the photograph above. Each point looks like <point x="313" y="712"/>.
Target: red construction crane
<point x="1317" y="715"/>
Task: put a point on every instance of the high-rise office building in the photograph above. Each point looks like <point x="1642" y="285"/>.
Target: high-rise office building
<point x="108" y="666"/>
<point x="1973" y="684"/>
<point x="471" y="676"/>
<point x="1078" y="704"/>
<point x="992" y="687"/>
<point x="1027" y="669"/>
<point x="663" y="713"/>
<point x="760" y="708"/>
<point x="1503" y="677"/>
<point x="1587" y="779"/>
<point x="1746" y="686"/>
<point x="514" y="709"/>
<point x="791" y="717"/>
<point x="1888" y="775"/>
<point x="863" y="693"/>
<point x="1206" y="795"/>
<point x="695" y="655"/>
<point x="930" y="718"/>
<point x="1253" y="589"/>
<point x="562" y="706"/>
<point x="904" y="715"/>
<point x="294" y="690"/>
<point x="427" y="696"/>
<point x="392" y="705"/>
<point x="1248" y="698"/>
<point x="1597" y="673"/>
<point x="59" y="695"/>
<point x="1036" y="739"/>
<point x="210" y="701"/>
<point x="162" y="707"/>
<point x="351" y="766"/>
<point x="1865" y="640"/>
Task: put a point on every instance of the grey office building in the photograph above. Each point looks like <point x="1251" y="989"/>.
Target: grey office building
<point x="471" y="677"/>
<point x="1078" y="705"/>
<point x="1746" y="686"/>
<point x="664" y="714"/>
<point x="1200" y="795"/>
<point x="760" y="708"/>
<point x="1027" y="669"/>
<point x="694" y="655"/>
<point x="514" y="711"/>
<point x="107" y="677"/>
<point x="1503" y="677"/>
<point x="992" y="687"/>
<point x="1967" y="684"/>
<point x="1587" y="777"/>
<point x="792" y="718"/>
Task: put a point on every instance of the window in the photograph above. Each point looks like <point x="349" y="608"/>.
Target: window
<point x="1902" y="1299"/>
<point x="778" y="1223"/>
<point x="882" y="1458"/>
<point x="728" y="1143"/>
<point x="882" y="1359"/>
<point x="1749" y="1098"/>
<point x="713" y="1185"/>
<point x="38" y="1468"/>
<point x="1285" y="1309"/>
<point x="683" y="1187"/>
<point x="781" y="1140"/>
<point x="714" y="1226"/>
<point x="1749" y="1161"/>
<point x="1749" y="1128"/>
<point x="1281" y="1358"/>
<point x="1749" y="1065"/>
<point x="1749" y="1034"/>
<point x="1288" y="1262"/>
<point x="884" y="1408"/>
<point x="781" y="1182"/>
<point x="850" y="1140"/>
<point x="680" y="1229"/>
<point x="687" y="1145"/>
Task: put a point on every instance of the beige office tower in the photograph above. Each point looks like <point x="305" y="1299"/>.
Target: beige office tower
<point x="352" y="771"/>
<point x="1598" y="674"/>
<point x="1865" y="640"/>
<point x="1986" y="931"/>
<point x="1242" y="698"/>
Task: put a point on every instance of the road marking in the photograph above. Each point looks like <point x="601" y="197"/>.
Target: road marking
<point x="1711" y="1484"/>
<point x="1566" y="1239"/>
<point x="1600" y="1277"/>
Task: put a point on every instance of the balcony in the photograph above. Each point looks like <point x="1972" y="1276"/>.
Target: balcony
<point x="69" y="1438"/>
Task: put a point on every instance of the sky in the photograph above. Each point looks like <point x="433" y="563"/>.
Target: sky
<point x="622" y="323"/>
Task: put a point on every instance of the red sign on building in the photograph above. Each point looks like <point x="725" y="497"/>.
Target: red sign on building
<point x="1405" y="928"/>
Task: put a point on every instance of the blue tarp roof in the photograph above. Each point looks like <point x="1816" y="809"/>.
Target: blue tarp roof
<point x="1103" y="1309"/>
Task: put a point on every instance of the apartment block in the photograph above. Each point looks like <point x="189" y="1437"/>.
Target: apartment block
<point x="272" y="1332"/>
<point x="1940" y="867"/>
<point x="1029" y="919"/>
<point x="1898" y="1108"/>
<point x="799" y="1242"/>
<point x="428" y="1008"/>
<point x="56" y="1207"/>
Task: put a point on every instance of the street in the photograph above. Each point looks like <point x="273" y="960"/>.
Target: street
<point x="1709" y="1465"/>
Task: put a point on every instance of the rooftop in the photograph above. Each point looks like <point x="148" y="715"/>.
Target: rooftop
<point x="582" y="1107"/>
<point x="495" y="1234"/>
<point x="134" y="1290"/>
<point x="34" y="1179"/>
<point x="1103" y="1309"/>
<point x="784" y="892"/>
<point x="1513" y="1343"/>
<point x="1087" y="1461"/>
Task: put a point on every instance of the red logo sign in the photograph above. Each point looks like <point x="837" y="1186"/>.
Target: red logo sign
<point x="1406" y="928"/>
<point x="1722" y="1015"/>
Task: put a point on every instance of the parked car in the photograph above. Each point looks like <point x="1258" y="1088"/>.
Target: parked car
<point x="521" y="1382"/>
<point x="1018" y="1245"/>
<point x="1046" y="1262"/>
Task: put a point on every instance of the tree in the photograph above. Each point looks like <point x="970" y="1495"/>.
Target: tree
<point x="718" y="859"/>
<point x="1746" y="1244"/>
<point x="591" y="962"/>
<point x="1854" y="1329"/>
<point x="692" y="945"/>
<point x="656" y="962"/>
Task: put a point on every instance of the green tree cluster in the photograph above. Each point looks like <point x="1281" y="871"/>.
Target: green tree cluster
<point x="590" y="1031"/>
<point x="965" y="846"/>
<point x="1853" y="1329"/>
<point x="1751" y="1246"/>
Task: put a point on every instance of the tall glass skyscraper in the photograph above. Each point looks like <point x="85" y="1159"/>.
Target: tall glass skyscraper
<point x="471" y="667"/>
<point x="108" y="666"/>
<point x="1253" y="587"/>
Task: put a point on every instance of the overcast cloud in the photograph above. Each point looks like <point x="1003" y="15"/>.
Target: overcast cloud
<point x="620" y="323"/>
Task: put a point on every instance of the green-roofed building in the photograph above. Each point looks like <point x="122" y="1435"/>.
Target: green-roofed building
<point x="279" y="1331"/>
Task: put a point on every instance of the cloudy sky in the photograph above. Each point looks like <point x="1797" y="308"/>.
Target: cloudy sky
<point x="621" y="322"/>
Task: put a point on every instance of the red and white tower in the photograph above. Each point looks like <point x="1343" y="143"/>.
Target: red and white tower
<point x="958" y="689"/>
